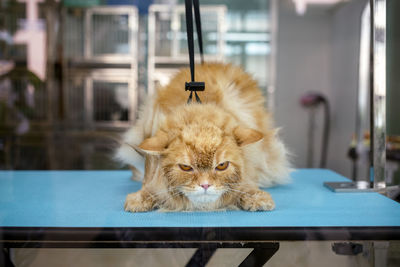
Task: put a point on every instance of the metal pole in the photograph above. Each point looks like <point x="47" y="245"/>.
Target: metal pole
<point x="273" y="30"/>
<point x="378" y="92"/>
<point x="361" y="178"/>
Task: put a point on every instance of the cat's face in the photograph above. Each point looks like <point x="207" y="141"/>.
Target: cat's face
<point x="201" y="161"/>
<point x="202" y="164"/>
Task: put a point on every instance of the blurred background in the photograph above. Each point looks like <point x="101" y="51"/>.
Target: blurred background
<point x="73" y="74"/>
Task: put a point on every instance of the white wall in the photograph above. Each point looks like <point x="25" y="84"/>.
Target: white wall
<point x="344" y="82"/>
<point x="303" y="64"/>
<point x="318" y="52"/>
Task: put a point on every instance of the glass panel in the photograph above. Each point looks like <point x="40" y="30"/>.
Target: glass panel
<point x="241" y="30"/>
<point x="256" y="21"/>
<point x="67" y="95"/>
<point x="110" y="34"/>
<point x="163" y="34"/>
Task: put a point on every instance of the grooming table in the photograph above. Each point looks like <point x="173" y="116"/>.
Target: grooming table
<point x="81" y="209"/>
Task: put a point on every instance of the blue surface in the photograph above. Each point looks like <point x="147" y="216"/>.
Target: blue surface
<point x="96" y="198"/>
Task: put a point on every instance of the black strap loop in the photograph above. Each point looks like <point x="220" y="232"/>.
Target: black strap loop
<point x="198" y="28"/>
<point x="193" y="86"/>
<point x="191" y="96"/>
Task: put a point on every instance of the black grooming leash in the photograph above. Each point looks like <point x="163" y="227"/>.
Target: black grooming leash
<point x="193" y="86"/>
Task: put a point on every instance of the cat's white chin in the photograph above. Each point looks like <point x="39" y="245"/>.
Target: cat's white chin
<point x="202" y="200"/>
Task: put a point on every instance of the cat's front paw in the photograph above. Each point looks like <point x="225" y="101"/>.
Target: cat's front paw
<point x="138" y="202"/>
<point x="257" y="200"/>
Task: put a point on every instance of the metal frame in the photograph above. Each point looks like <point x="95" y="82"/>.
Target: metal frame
<point x="179" y="59"/>
<point x="378" y="92"/>
<point x="377" y="84"/>
<point x="264" y="240"/>
<point x="261" y="253"/>
<point x="362" y="120"/>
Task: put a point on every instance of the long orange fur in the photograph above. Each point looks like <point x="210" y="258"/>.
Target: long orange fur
<point x="231" y="126"/>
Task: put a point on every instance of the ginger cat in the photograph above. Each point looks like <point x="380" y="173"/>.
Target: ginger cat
<point x="208" y="156"/>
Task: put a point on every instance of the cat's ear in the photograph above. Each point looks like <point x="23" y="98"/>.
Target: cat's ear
<point x="245" y="136"/>
<point x="154" y="145"/>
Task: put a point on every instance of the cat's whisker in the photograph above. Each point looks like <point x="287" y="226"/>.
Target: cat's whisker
<point x="239" y="191"/>
<point x="155" y="195"/>
<point x="170" y="196"/>
<point x="239" y="184"/>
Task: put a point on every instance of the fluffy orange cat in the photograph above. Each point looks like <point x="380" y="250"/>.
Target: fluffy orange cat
<point x="208" y="156"/>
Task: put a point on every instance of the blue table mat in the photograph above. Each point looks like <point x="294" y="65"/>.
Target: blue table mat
<point x="96" y="199"/>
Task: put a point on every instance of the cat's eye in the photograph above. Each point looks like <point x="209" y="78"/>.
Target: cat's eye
<point x="222" y="166"/>
<point x="185" y="167"/>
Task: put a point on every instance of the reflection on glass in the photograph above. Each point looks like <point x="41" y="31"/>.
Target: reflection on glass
<point x="110" y="101"/>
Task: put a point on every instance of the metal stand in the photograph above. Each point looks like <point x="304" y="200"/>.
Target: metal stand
<point x="347" y="248"/>
<point x="377" y="85"/>
<point x="5" y="259"/>
<point x="202" y="255"/>
<point x="343" y="187"/>
<point x="349" y="187"/>
<point x="260" y="255"/>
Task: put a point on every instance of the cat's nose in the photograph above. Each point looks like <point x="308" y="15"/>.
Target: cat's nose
<point x="205" y="186"/>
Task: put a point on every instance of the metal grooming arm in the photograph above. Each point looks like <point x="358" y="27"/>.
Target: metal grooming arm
<point x="377" y="106"/>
